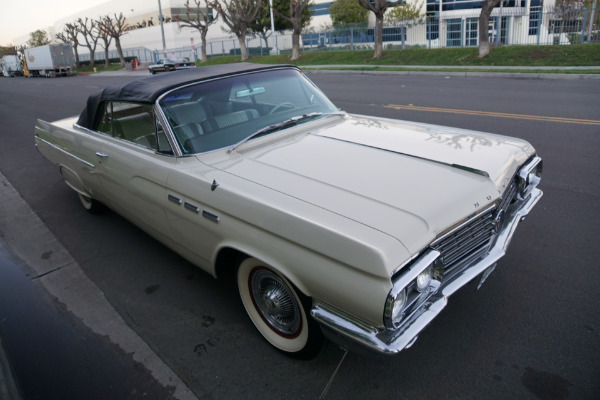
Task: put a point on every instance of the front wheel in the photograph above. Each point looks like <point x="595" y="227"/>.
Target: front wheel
<point x="278" y="310"/>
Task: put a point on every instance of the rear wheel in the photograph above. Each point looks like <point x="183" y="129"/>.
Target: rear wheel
<point x="278" y="310"/>
<point x="91" y="205"/>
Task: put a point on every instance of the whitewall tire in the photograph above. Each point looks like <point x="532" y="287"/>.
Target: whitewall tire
<point x="278" y="310"/>
<point x="91" y="205"/>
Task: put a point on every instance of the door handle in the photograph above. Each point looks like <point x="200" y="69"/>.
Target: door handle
<point x="101" y="155"/>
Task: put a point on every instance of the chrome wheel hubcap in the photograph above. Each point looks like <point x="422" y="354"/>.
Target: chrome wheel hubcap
<point x="276" y="302"/>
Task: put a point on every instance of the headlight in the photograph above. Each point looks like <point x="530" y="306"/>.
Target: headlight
<point x="529" y="176"/>
<point x="398" y="306"/>
<point x="424" y="279"/>
<point x="411" y="289"/>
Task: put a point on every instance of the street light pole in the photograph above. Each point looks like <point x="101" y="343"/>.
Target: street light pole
<point x="273" y="27"/>
<point x="162" y="29"/>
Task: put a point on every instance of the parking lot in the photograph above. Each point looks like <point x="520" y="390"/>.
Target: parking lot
<point x="531" y="331"/>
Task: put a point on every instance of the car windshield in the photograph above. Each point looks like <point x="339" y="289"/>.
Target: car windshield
<point x="225" y="112"/>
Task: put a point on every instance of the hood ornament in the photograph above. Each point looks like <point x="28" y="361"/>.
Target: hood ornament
<point x="214" y="185"/>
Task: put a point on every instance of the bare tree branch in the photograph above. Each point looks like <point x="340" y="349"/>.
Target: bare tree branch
<point x="199" y="18"/>
<point x="106" y="39"/>
<point x="90" y="33"/>
<point x="70" y="35"/>
<point x="115" y="28"/>
<point x="238" y="16"/>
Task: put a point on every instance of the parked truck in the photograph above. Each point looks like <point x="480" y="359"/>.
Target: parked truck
<point x="50" y="60"/>
<point x="11" y="66"/>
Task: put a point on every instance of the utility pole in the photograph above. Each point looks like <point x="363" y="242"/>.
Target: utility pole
<point x="162" y="29"/>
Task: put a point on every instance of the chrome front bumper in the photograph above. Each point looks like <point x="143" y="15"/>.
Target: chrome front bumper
<point x="349" y="332"/>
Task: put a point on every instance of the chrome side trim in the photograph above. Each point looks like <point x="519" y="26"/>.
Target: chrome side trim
<point x="344" y="329"/>
<point x="210" y="216"/>
<point x="174" y="199"/>
<point x="191" y="207"/>
<point x="65" y="152"/>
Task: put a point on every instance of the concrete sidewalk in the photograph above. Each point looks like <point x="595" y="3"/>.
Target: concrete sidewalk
<point x="33" y="243"/>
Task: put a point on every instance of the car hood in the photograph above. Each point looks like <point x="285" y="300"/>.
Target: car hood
<point x="409" y="181"/>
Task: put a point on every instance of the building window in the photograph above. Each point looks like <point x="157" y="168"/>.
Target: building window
<point x="450" y="5"/>
<point x="454" y="33"/>
<point x="535" y="16"/>
<point x="433" y="28"/>
<point x="320" y="9"/>
<point x="471" y="32"/>
<point x="395" y="34"/>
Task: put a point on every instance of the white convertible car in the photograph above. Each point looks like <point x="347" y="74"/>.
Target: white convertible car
<point x="345" y="226"/>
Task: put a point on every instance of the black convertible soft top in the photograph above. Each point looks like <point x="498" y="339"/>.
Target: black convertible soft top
<point x="147" y="90"/>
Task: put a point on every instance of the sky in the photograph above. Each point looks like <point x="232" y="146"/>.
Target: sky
<point x="19" y="18"/>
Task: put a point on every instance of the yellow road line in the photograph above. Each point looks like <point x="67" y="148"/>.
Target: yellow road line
<point x="495" y="114"/>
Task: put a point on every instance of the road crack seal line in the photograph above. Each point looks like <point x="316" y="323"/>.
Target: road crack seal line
<point x="47" y="273"/>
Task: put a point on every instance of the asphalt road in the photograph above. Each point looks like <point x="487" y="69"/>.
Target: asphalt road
<point x="531" y="332"/>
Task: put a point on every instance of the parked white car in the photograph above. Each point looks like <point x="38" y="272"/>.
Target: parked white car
<point x="355" y="227"/>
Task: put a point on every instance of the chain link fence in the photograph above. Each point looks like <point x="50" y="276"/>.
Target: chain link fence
<point x="455" y="28"/>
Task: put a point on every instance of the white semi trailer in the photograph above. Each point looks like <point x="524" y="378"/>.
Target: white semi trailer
<point x="11" y="66"/>
<point x="50" y="60"/>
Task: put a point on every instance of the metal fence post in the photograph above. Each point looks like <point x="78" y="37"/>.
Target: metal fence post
<point x="539" y="30"/>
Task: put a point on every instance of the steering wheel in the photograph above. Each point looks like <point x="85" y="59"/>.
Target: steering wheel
<point x="282" y="105"/>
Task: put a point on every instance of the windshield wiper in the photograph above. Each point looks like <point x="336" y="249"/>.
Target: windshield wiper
<point x="281" y="125"/>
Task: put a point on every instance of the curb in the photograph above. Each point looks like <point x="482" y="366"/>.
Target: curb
<point x="29" y="239"/>
<point x="464" y="74"/>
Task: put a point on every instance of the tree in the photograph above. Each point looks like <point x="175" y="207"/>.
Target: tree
<point x="38" y="38"/>
<point x="238" y="15"/>
<point x="199" y="18"/>
<point x="89" y="30"/>
<point x="115" y="28"/>
<point x="405" y="12"/>
<point x="377" y="7"/>
<point x="262" y="25"/>
<point x="70" y="35"/>
<point x="11" y="49"/>
<point x="106" y="39"/>
<point x="345" y="12"/>
<point x="484" y="26"/>
<point x="297" y="19"/>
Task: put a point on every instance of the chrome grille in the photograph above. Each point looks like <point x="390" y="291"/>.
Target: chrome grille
<point x="508" y="197"/>
<point x="474" y="235"/>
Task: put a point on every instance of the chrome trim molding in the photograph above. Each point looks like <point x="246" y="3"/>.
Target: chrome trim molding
<point x="191" y="207"/>
<point x="344" y="329"/>
<point x="65" y="152"/>
<point x="174" y="199"/>
<point x="210" y="216"/>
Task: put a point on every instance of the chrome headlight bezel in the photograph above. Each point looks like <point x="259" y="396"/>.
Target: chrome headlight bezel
<point x="529" y="176"/>
<point x="410" y="289"/>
